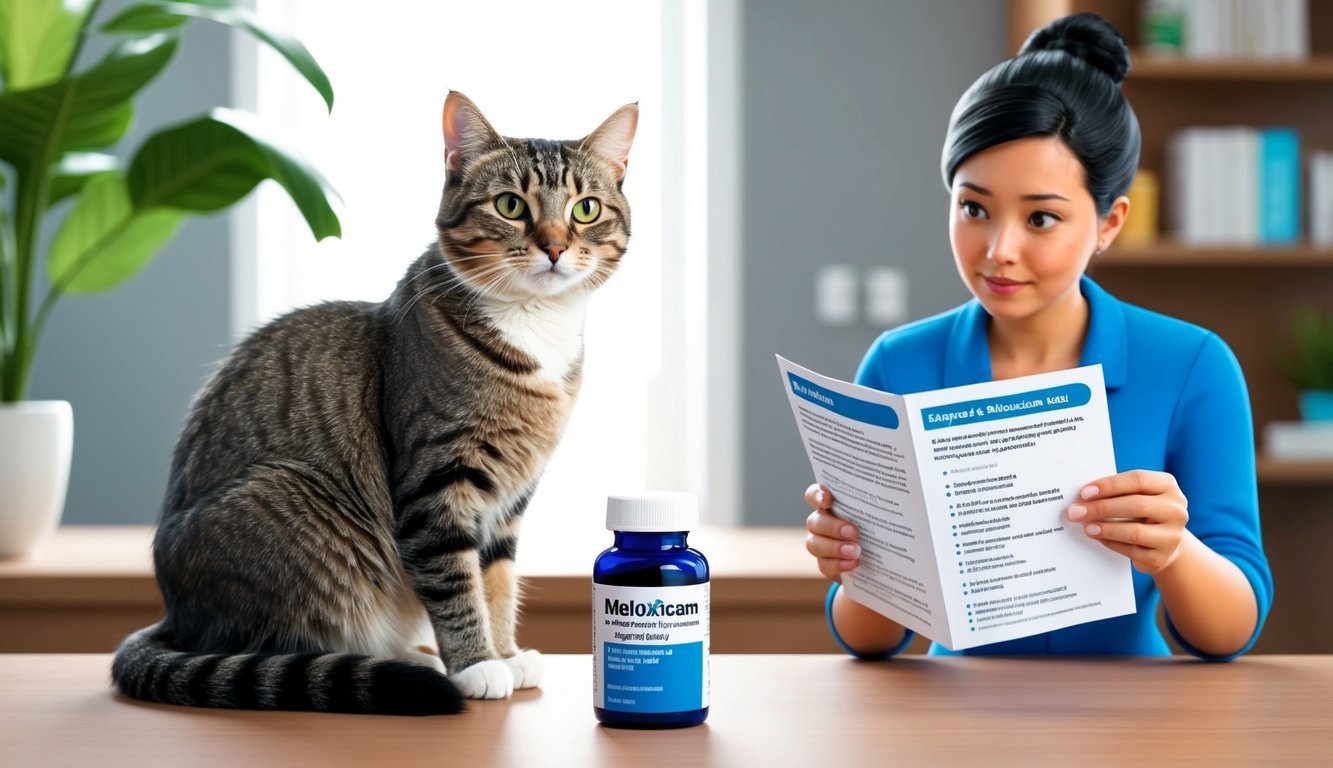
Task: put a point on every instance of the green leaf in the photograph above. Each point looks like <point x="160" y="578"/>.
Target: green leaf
<point x="37" y="37"/>
<point x="144" y="18"/>
<point x="210" y="163"/>
<point x="89" y="111"/>
<point x="75" y="169"/>
<point x="150" y="16"/>
<point x="104" y="240"/>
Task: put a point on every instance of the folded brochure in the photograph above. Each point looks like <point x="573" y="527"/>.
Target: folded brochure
<point x="960" y="499"/>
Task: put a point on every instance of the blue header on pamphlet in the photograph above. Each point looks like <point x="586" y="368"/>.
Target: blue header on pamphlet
<point x="994" y="408"/>
<point x="847" y="407"/>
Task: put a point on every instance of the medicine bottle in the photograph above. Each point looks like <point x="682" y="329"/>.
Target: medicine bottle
<point x="650" y="615"/>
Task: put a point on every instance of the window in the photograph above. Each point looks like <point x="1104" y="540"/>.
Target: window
<point x="535" y="69"/>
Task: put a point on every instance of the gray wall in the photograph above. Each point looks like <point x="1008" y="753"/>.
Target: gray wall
<point x="129" y="360"/>
<point x="845" y="106"/>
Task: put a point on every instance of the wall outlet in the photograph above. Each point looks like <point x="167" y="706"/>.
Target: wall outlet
<point x="836" y="295"/>
<point x="886" y="296"/>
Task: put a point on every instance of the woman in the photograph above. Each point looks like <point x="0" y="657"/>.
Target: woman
<point x="1040" y="152"/>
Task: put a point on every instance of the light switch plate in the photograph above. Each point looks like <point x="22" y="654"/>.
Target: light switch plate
<point x="886" y="296"/>
<point x="836" y="294"/>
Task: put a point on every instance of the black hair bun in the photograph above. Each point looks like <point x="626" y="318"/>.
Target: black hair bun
<point x="1085" y="36"/>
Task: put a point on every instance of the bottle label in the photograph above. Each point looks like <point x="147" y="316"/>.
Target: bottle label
<point x="650" y="648"/>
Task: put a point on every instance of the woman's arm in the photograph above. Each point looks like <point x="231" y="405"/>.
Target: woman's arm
<point x="864" y="632"/>
<point x="1142" y="515"/>
<point x="1209" y="600"/>
<point x="1213" y="576"/>
<point x="832" y="541"/>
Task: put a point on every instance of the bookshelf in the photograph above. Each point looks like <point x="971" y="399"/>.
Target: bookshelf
<point x="1273" y="472"/>
<point x="1247" y="295"/>
<point x="1164" y="253"/>
<point x="1314" y="70"/>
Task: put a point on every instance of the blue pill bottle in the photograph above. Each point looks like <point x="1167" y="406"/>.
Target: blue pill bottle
<point x="650" y="615"/>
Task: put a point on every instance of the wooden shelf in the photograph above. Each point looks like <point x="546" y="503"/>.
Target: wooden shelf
<point x="1285" y="472"/>
<point x="87" y="587"/>
<point x="1166" y="69"/>
<point x="1167" y="253"/>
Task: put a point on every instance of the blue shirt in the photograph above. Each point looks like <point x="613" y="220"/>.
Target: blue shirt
<point x="1178" y="404"/>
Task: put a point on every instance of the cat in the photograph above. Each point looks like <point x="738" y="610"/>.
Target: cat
<point x="354" y="470"/>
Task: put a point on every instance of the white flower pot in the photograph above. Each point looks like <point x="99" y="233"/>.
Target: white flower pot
<point x="36" y="442"/>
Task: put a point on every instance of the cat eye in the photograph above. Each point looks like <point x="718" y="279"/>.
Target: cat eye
<point x="587" y="210"/>
<point x="511" y="206"/>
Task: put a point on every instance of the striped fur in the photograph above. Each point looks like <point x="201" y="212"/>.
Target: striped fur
<point x="150" y="669"/>
<point x="349" y="485"/>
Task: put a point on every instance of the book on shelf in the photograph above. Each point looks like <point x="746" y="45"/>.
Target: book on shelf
<point x="1321" y="199"/>
<point x="1227" y="29"/>
<point x="1163" y="27"/>
<point x="1235" y="185"/>
<point x="1142" y="228"/>
<point x="1298" y="440"/>
<point x="1279" y="186"/>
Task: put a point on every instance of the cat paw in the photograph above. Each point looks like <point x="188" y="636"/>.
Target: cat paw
<point x="485" y="680"/>
<point x="527" y="667"/>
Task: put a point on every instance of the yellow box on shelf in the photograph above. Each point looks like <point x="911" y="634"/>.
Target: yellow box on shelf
<point x="1141" y="227"/>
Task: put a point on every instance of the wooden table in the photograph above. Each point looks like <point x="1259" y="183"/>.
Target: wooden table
<point x="778" y="710"/>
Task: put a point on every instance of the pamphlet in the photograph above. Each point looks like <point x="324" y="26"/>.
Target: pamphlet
<point x="960" y="499"/>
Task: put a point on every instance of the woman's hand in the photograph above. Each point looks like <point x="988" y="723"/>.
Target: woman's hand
<point x="1140" y="514"/>
<point x="831" y="540"/>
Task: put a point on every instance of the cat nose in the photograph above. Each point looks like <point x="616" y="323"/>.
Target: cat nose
<point x="553" y="250"/>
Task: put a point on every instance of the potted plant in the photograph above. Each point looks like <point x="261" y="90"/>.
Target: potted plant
<point x="61" y="124"/>
<point x="1309" y="366"/>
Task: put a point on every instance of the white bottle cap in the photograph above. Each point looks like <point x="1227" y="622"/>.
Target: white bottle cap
<point x="652" y="511"/>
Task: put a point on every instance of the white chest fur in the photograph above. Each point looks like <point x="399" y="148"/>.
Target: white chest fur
<point x="550" y="330"/>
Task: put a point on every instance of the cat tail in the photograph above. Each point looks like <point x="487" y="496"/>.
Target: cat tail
<point x="148" y="668"/>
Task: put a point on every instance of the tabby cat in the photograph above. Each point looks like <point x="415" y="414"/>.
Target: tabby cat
<point x="356" y="470"/>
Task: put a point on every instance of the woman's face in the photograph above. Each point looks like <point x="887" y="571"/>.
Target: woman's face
<point x="1023" y="226"/>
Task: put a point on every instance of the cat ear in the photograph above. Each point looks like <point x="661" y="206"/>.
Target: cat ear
<point x="613" y="138"/>
<point x="465" y="130"/>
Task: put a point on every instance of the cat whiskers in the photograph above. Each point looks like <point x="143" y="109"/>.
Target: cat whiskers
<point x="496" y="277"/>
<point x="398" y="318"/>
<point x="437" y="286"/>
<point x="599" y="276"/>
<point x="487" y="277"/>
